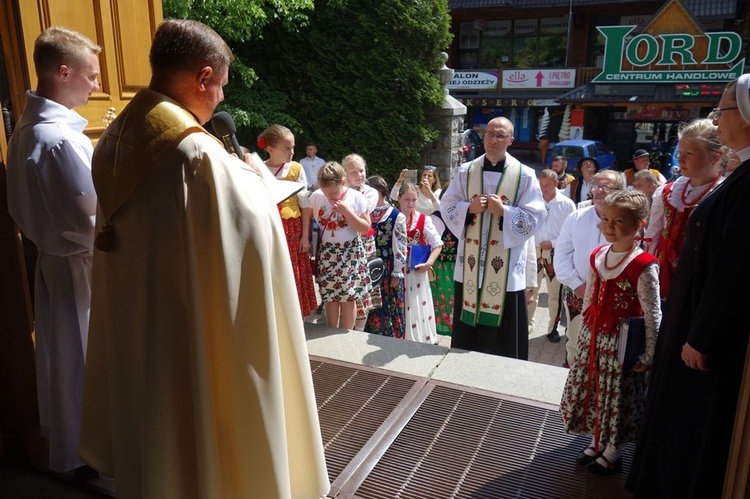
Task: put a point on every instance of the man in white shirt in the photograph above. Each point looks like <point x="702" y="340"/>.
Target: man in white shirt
<point x="579" y="236"/>
<point x="559" y="206"/>
<point x="312" y="164"/>
<point x="493" y="206"/>
<point x="51" y="198"/>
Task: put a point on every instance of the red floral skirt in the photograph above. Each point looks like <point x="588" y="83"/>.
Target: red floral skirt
<point x="303" y="276"/>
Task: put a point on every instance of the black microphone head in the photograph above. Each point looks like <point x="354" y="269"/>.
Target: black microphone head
<point x="223" y="124"/>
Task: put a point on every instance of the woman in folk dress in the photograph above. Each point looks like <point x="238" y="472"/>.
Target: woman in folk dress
<point x="600" y="398"/>
<point x="342" y="214"/>
<point x="419" y="312"/>
<point x="389" y="225"/>
<point x="278" y="142"/>
<point x="699" y="157"/>
<point x="356" y="171"/>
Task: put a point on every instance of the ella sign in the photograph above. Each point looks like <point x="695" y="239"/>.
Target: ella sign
<point x="667" y="51"/>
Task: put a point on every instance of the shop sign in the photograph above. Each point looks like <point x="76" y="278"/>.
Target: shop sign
<point x="554" y="26"/>
<point x="525" y="26"/>
<point x="506" y="102"/>
<point x="539" y="78"/>
<point x="474" y="80"/>
<point x="498" y="29"/>
<point x="648" y="113"/>
<point x="668" y="51"/>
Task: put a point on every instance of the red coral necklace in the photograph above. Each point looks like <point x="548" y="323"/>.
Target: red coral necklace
<point x="613" y="267"/>
<point x="683" y="194"/>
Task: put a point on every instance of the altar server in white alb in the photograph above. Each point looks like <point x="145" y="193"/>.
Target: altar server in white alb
<point x="198" y="381"/>
<point x="51" y="197"/>
<point x="493" y="206"/>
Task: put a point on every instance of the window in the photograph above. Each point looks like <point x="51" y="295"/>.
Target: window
<point x="520" y="43"/>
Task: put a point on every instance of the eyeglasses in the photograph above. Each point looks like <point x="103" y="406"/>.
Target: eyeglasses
<point x="496" y="135"/>
<point x="716" y="112"/>
<point x="603" y="188"/>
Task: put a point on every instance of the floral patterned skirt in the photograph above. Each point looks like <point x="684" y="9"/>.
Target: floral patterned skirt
<point x="342" y="271"/>
<point x="303" y="276"/>
<point x="442" y="296"/>
<point x="602" y="400"/>
<point x="388" y="320"/>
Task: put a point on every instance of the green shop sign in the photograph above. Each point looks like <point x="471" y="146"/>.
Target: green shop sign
<point x="668" y="51"/>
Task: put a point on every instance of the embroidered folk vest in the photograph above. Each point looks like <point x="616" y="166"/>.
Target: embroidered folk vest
<point x="290" y="207"/>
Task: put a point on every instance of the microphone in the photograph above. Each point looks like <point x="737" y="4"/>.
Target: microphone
<point x="223" y="125"/>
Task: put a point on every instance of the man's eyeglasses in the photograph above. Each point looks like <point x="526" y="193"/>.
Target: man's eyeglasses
<point x="603" y="188"/>
<point x="716" y="112"/>
<point x="497" y="135"/>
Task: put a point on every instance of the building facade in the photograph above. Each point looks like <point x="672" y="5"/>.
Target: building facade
<point x="616" y="72"/>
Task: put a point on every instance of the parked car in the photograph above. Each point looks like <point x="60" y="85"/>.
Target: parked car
<point x="575" y="150"/>
<point x="472" y="145"/>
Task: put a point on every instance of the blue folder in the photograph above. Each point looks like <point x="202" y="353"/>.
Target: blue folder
<point x="632" y="341"/>
<point x="418" y="254"/>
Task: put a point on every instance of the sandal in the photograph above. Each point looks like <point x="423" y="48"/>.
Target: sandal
<point x="608" y="468"/>
<point x="585" y="459"/>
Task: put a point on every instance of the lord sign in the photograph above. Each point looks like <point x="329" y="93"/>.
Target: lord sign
<point x="668" y="51"/>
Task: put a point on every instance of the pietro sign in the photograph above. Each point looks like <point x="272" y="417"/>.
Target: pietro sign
<point x="667" y="51"/>
<point x="539" y="78"/>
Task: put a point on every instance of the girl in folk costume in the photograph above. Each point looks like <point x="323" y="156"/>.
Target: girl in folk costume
<point x="342" y="214"/>
<point x="600" y="398"/>
<point x="419" y="313"/>
<point x="278" y="142"/>
<point x="700" y="155"/>
<point x="356" y="170"/>
<point x="442" y="286"/>
<point x="389" y="225"/>
<point x="429" y="190"/>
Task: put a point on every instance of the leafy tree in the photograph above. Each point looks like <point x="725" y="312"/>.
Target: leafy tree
<point x="360" y="77"/>
<point x="350" y="75"/>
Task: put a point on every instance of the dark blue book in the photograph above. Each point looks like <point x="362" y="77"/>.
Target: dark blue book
<point x="632" y="342"/>
<point x="418" y="254"/>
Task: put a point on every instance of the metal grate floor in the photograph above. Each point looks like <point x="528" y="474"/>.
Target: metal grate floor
<point x="391" y="436"/>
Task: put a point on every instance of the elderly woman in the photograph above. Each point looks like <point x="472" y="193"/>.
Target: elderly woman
<point x="699" y="361"/>
<point x="580" y="187"/>
<point x="700" y="156"/>
<point x="428" y="200"/>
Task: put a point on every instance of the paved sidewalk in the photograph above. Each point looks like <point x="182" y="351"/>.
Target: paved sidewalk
<point x="541" y="350"/>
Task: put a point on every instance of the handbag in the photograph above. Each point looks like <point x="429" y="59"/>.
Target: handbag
<point x="376" y="269"/>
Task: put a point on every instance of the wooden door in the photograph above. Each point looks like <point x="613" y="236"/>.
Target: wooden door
<point x="124" y="29"/>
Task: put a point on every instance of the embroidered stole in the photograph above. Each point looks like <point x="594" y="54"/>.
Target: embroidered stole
<point x="484" y="305"/>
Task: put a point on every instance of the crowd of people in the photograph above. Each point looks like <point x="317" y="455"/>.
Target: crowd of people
<point x="164" y="389"/>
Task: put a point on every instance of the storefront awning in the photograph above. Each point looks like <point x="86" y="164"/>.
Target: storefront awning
<point x="628" y="95"/>
<point x="714" y="9"/>
<point x="529" y="99"/>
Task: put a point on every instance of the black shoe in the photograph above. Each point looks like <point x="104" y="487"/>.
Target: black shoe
<point x="553" y="336"/>
<point x="584" y="459"/>
<point x="608" y="468"/>
<point x="85" y="472"/>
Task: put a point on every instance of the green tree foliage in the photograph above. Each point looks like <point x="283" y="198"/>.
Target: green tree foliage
<point x="350" y="75"/>
<point x="360" y="77"/>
